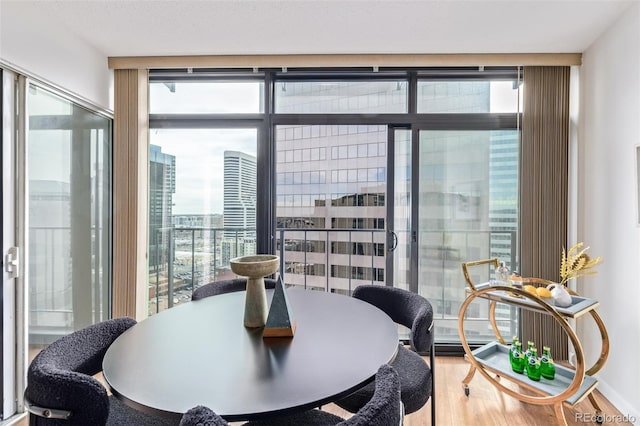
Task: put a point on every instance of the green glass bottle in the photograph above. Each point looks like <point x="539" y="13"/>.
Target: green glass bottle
<point x="518" y="361"/>
<point x="530" y="345"/>
<point x="547" y="369"/>
<point x="513" y="348"/>
<point x="533" y="365"/>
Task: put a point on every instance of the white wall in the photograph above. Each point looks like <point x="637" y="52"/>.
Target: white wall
<point x="607" y="193"/>
<point x="50" y="52"/>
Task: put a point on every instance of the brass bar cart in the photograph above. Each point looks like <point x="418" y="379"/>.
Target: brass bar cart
<point x="571" y="385"/>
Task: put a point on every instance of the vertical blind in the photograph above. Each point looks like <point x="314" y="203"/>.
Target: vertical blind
<point x="129" y="175"/>
<point x="545" y="171"/>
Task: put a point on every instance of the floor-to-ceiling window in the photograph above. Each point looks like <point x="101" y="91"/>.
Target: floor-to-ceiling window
<point x="391" y="177"/>
<point x="469" y="210"/>
<point x="202" y="208"/>
<point x="468" y="192"/>
<point x="334" y="177"/>
<point x="202" y="183"/>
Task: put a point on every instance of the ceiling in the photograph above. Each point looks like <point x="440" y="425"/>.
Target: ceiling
<point x="161" y="27"/>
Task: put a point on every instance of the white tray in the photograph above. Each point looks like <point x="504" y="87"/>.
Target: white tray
<point x="579" y="305"/>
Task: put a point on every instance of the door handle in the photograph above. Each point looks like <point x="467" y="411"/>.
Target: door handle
<point x="394" y="240"/>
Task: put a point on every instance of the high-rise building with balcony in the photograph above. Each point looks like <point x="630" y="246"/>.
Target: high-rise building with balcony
<point x="332" y="178"/>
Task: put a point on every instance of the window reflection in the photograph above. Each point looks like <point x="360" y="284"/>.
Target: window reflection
<point x="69" y="197"/>
<point x="469" y="210"/>
<point x="468" y="96"/>
<point x="335" y="97"/>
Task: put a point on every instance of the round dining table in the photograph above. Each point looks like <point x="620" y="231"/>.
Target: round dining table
<point x="200" y="353"/>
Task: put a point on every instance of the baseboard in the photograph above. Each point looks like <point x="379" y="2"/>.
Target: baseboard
<point x="630" y="413"/>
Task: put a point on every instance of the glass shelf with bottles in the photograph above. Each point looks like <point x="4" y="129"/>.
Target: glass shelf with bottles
<point x="495" y="357"/>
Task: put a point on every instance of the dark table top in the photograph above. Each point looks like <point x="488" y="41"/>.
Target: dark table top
<point x="200" y="353"/>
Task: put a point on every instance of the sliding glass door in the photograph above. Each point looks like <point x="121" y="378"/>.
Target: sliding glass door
<point x="401" y="238"/>
<point x="69" y="223"/>
<point x="56" y="223"/>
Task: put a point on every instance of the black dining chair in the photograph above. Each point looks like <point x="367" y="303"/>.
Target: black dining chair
<point x="226" y="286"/>
<point x="202" y="416"/>
<point x="413" y="311"/>
<point x="61" y="389"/>
<point x="383" y="409"/>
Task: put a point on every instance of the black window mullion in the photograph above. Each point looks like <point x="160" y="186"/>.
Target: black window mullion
<point x="205" y="121"/>
<point x="465" y="121"/>
<point x="266" y="191"/>
<point x="452" y="121"/>
<point x="340" y="119"/>
<point x="413" y="93"/>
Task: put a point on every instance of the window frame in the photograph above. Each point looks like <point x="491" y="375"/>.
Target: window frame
<point x="267" y="121"/>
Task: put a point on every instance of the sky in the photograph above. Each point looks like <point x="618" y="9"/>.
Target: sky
<point x="200" y="163"/>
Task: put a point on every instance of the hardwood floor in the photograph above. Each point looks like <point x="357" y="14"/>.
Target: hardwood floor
<point x="486" y="405"/>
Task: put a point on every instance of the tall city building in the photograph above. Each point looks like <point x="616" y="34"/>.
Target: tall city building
<point x="162" y="186"/>
<point x="239" y="209"/>
<point x="503" y="200"/>
<point x="333" y="178"/>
